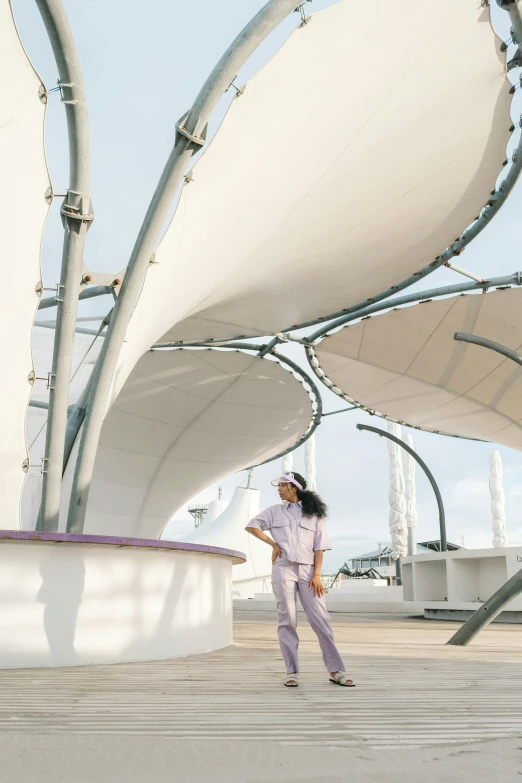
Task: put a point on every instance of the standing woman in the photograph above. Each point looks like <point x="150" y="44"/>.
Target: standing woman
<point x="298" y="541"/>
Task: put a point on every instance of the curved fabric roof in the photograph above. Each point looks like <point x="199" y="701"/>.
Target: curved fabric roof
<point x="23" y="211"/>
<point x="183" y="420"/>
<point x="406" y="366"/>
<point x="336" y="174"/>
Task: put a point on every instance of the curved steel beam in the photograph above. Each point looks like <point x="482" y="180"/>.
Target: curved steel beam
<point x="316" y="395"/>
<point x="498" y="282"/>
<point x="442" y="516"/>
<point x="462" y="337"/>
<point x="190" y="137"/>
<point x="445" y="290"/>
<point x="77" y="216"/>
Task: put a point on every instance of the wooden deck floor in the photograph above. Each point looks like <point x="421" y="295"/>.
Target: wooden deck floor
<point x="412" y="690"/>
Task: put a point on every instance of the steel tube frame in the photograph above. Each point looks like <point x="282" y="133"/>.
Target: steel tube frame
<point x="419" y="296"/>
<point x="78" y="330"/>
<point x="513" y="587"/>
<point x="39" y="404"/>
<point x="318" y="414"/>
<point x="440" y="504"/>
<point x="77" y="216"/>
<point x="190" y="137"/>
<point x="87" y="293"/>
<point x="347" y="317"/>
<point x="341" y="410"/>
<point x="462" y="337"/>
<point x="190" y="132"/>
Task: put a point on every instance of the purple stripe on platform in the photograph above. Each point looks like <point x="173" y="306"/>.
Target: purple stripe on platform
<point x="146" y="543"/>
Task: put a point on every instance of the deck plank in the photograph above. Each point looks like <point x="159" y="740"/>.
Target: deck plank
<point x="412" y="689"/>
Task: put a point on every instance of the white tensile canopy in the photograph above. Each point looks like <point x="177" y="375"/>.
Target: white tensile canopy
<point x="23" y="209"/>
<point x="336" y="174"/>
<point x="406" y="365"/>
<point x="183" y="420"/>
<point x="228" y="531"/>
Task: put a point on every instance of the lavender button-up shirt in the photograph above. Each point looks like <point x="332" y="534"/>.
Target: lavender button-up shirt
<point x="298" y="536"/>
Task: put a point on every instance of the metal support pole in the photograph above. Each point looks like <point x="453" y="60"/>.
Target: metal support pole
<point x="442" y="516"/>
<point x="398" y="572"/>
<point x="39" y="404"/>
<point x="78" y="330"/>
<point x="87" y="293"/>
<point x="76" y="412"/>
<point x="462" y="337"/>
<point x="464" y="272"/>
<point x="77" y="216"/>
<point x="269" y="346"/>
<point x="342" y="410"/>
<point x="483" y="616"/>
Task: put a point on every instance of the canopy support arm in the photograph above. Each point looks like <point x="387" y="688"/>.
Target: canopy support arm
<point x="419" y="296"/>
<point x="403" y="445"/>
<point x="77" y="217"/>
<point x="462" y="337"/>
<point x="513" y="587"/>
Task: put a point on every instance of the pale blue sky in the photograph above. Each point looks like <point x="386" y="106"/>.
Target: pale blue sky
<point x="143" y="63"/>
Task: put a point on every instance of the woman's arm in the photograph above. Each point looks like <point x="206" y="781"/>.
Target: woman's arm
<point x="315" y="581"/>
<point x="257" y="533"/>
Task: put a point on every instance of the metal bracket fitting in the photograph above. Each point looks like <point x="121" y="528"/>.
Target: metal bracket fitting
<point x="239" y="90"/>
<point x="57" y="289"/>
<point x="66" y="92"/>
<point x="198" y="140"/>
<point x="76" y="207"/>
<point x="300" y="10"/>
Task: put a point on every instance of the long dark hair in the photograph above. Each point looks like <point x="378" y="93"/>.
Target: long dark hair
<point x="312" y="504"/>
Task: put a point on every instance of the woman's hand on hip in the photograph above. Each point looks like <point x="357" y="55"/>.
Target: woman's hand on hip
<point x="276" y="552"/>
<point x="316" y="583"/>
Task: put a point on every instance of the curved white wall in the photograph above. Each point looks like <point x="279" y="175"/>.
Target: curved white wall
<point x="67" y="604"/>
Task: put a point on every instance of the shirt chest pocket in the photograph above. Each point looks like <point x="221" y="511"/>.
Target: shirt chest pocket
<point x="307" y="528"/>
<point x="281" y="530"/>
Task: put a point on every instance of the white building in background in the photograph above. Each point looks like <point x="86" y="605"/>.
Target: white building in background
<point x="382" y="561"/>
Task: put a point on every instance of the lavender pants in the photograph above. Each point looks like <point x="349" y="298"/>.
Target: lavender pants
<point x="288" y="579"/>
